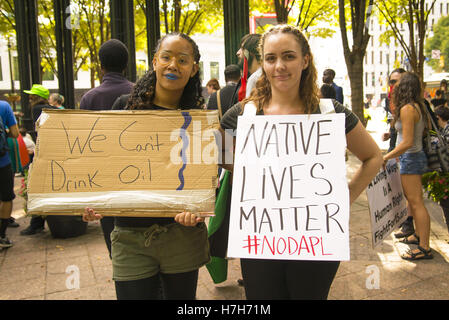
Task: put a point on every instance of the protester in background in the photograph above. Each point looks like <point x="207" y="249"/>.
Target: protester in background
<point x="411" y="118"/>
<point x="327" y="91"/>
<point x="395" y="75"/>
<point x="113" y="55"/>
<point x="288" y="86"/>
<point x="212" y="86"/>
<point x="249" y="63"/>
<point x="29" y="143"/>
<point x="232" y="77"/>
<point x="406" y="228"/>
<point x="38" y="96"/>
<point x="444" y="89"/>
<point x="442" y="115"/>
<point x="146" y="251"/>
<point x="439" y="100"/>
<point x="8" y="121"/>
<point x="19" y="156"/>
<point x="56" y="100"/>
<point x="328" y="78"/>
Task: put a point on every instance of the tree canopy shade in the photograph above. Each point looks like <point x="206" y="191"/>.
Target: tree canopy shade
<point x="439" y="41"/>
<point x="414" y="15"/>
<point x="359" y="14"/>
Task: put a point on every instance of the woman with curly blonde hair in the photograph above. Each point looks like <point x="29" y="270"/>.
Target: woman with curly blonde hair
<point x="288" y="85"/>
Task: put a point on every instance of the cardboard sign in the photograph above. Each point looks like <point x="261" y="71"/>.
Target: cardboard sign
<point x="290" y="198"/>
<point x="387" y="203"/>
<point x="130" y="163"/>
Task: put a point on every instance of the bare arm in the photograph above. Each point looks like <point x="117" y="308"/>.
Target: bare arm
<point x="13" y="131"/>
<point x="362" y="145"/>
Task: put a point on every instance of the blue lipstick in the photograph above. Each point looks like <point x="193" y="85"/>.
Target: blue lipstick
<point x="171" y="76"/>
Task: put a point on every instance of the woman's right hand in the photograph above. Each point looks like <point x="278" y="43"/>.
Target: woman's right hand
<point x="90" y="215"/>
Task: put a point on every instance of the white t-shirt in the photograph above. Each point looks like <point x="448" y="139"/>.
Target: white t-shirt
<point x="252" y="81"/>
<point x="29" y="144"/>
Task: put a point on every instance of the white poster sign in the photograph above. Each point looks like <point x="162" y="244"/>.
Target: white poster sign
<point x="386" y="201"/>
<point x="290" y="198"/>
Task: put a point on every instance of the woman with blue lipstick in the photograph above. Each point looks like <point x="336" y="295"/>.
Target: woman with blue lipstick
<point x="147" y="252"/>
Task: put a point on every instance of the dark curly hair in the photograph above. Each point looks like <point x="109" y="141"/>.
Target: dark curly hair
<point x="409" y="91"/>
<point x="142" y="95"/>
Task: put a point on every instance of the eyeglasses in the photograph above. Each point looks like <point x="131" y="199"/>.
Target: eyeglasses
<point x="182" y="60"/>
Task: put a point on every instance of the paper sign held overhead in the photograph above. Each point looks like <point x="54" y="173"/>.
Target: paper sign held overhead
<point x="290" y="198"/>
<point x="137" y="163"/>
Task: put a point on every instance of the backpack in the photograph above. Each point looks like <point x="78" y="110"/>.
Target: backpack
<point x="435" y="147"/>
<point x="3" y="139"/>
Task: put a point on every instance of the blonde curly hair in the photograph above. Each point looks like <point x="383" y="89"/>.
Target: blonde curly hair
<point x="308" y="89"/>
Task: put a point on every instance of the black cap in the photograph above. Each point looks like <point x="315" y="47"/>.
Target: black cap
<point x="113" y="55"/>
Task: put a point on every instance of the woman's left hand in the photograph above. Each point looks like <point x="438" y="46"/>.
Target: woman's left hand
<point x="188" y="219"/>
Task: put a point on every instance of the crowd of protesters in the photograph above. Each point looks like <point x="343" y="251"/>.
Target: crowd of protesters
<point x="276" y="74"/>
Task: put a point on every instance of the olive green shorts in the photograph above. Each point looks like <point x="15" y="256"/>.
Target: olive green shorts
<point x="139" y="253"/>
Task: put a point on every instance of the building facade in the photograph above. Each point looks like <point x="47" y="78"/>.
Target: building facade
<point x="382" y="58"/>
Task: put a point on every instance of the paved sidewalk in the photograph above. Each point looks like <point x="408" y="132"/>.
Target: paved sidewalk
<point x="40" y="267"/>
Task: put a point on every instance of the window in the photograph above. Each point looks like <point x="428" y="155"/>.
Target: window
<point x="1" y="71"/>
<point x="366" y="79"/>
<point x="214" y="70"/>
<point x="372" y="57"/>
<point x="380" y="57"/>
<point x="373" y="79"/>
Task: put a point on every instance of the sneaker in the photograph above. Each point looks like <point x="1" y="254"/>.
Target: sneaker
<point x="30" y="231"/>
<point x="5" y="243"/>
<point x="12" y="223"/>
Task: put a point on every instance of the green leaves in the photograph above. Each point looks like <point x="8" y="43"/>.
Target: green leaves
<point x="440" y="41"/>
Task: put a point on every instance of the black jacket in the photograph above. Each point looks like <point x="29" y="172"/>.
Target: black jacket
<point x="227" y="96"/>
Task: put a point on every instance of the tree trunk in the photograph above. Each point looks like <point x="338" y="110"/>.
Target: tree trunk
<point x="354" y="58"/>
<point x="355" y="72"/>
<point x="281" y="12"/>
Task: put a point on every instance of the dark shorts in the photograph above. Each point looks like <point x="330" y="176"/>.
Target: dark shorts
<point x="7" y="183"/>
<point x="139" y="253"/>
<point x="413" y="163"/>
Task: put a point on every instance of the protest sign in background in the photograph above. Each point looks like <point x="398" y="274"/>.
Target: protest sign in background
<point x="386" y="201"/>
<point x="138" y="163"/>
<point x="290" y="197"/>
